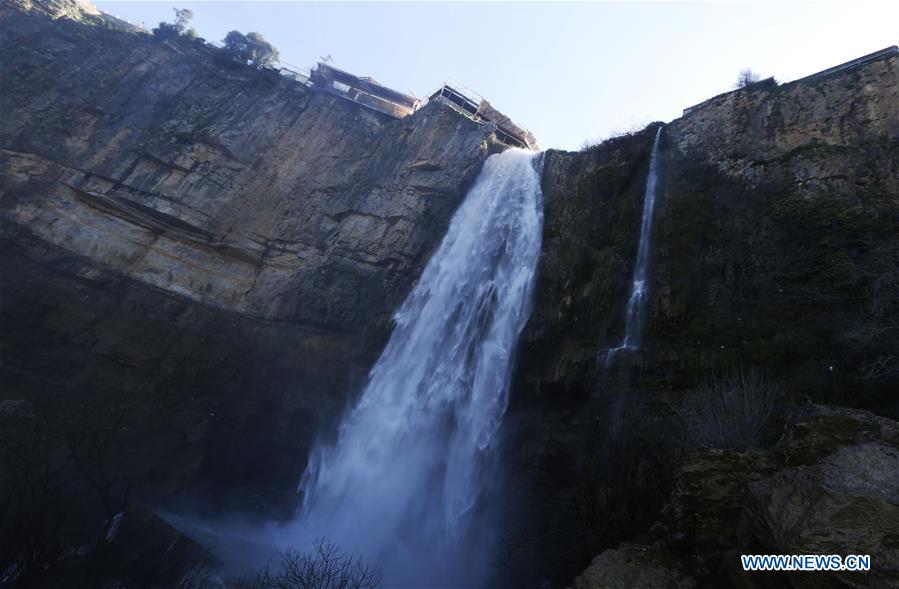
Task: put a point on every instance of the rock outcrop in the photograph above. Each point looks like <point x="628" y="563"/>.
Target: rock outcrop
<point x="811" y="130"/>
<point x="829" y="486"/>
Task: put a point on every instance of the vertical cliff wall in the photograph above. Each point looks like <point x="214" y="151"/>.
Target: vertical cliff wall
<point x="780" y="240"/>
<point x="213" y="249"/>
<point x="775" y="247"/>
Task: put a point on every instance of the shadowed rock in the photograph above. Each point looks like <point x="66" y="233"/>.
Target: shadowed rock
<point x="829" y="486"/>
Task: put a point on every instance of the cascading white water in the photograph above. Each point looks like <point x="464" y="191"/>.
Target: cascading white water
<point x="636" y="304"/>
<point x="407" y="482"/>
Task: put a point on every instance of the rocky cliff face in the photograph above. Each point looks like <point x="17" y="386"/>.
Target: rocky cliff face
<point x="827" y="487"/>
<point x="214" y="249"/>
<point x="775" y="250"/>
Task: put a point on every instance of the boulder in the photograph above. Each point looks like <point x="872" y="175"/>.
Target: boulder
<point x="829" y="486"/>
<point x="632" y="565"/>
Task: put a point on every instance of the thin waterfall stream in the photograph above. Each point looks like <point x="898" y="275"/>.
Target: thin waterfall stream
<point x="636" y="304"/>
<point x="411" y="480"/>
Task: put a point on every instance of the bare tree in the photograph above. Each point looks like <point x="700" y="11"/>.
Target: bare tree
<point x="746" y="78"/>
<point x="92" y="443"/>
<point x="56" y="456"/>
<point x="325" y="567"/>
<point x="32" y="474"/>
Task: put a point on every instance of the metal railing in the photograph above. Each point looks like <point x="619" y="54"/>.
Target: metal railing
<point x="292" y="71"/>
<point x="477" y="101"/>
<point x="140" y="26"/>
<point x="297" y="73"/>
<point x="853" y="63"/>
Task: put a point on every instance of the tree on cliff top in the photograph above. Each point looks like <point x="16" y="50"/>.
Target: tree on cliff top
<point x="183" y="16"/>
<point x="746" y="78"/>
<point x="251" y="48"/>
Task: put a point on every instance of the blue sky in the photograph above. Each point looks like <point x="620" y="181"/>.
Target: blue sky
<point x="570" y="72"/>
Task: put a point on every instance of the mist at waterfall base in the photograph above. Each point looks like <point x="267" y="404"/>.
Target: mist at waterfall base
<point x="411" y="482"/>
<point x="636" y="304"/>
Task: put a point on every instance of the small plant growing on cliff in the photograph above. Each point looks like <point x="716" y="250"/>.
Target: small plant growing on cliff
<point x="747" y="78"/>
<point x="251" y="48"/>
<point x="731" y="410"/>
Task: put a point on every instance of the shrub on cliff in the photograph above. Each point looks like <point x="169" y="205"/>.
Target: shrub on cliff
<point x="731" y="410"/>
<point x="747" y="78"/>
<point x="174" y="30"/>
<point x="251" y="48"/>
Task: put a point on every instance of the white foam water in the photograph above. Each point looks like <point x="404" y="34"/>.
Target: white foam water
<point x="410" y="481"/>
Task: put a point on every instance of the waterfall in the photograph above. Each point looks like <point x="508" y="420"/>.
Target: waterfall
<point x="408" y="482"/>
<point x="636" y="304"/>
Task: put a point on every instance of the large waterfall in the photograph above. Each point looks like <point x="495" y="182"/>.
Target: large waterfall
<point x="409" y="481"/>
<point x="636" y="304"/>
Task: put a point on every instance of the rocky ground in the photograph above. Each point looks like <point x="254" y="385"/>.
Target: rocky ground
<point x="828" y="486"/>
